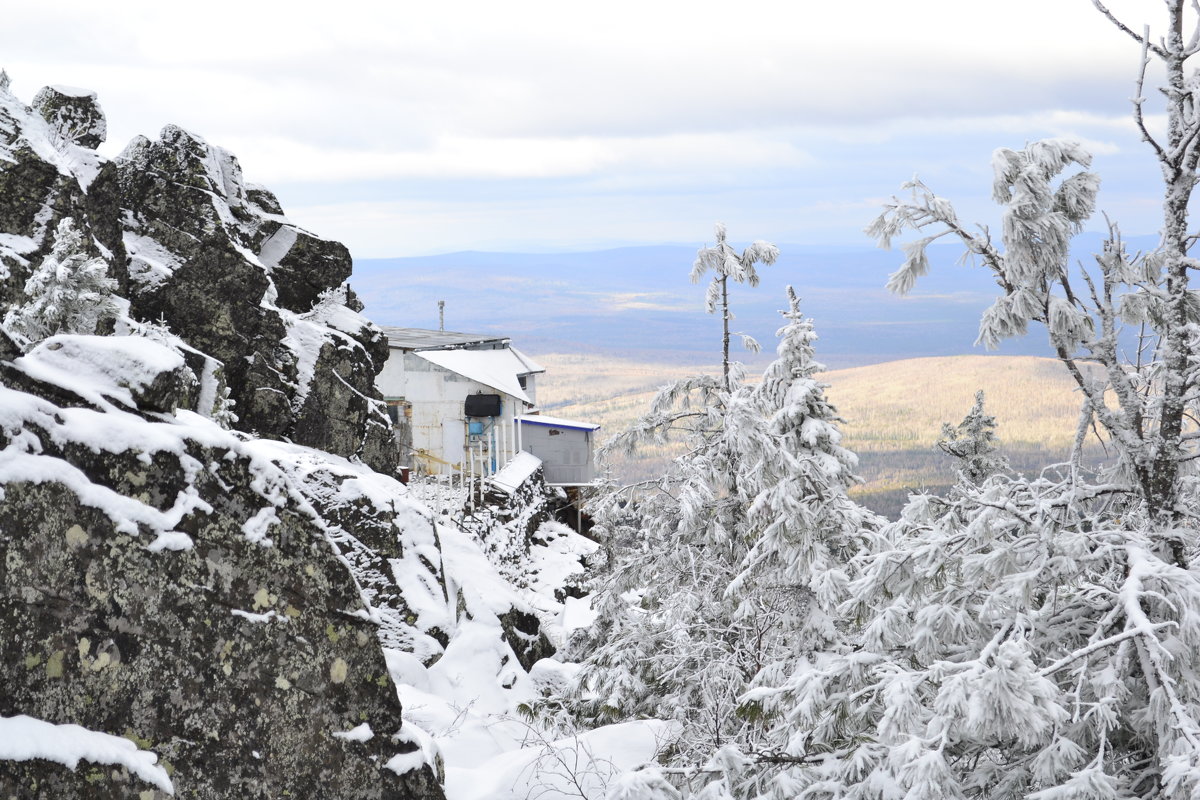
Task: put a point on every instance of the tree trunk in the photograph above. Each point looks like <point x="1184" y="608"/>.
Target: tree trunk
<point x="725" y="325"/>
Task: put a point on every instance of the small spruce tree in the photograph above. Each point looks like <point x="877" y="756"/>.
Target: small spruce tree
<point x="972" y="443"/>
<point x="735" y="558"/>
<point x="68" y="292"/>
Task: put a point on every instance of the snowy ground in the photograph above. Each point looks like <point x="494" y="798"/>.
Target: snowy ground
<point x="469" y="702"/>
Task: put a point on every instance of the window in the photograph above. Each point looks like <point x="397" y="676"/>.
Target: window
<point x="398" y="410"/>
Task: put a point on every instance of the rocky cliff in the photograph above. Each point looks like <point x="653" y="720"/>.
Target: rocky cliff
<point x="202" y="556"/>
<point x="190" y="244"/>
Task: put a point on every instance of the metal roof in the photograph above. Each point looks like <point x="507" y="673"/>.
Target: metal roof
<point x="497" y="368"/>
<point x="423" y="339"/>
<point x="555" y="422"/>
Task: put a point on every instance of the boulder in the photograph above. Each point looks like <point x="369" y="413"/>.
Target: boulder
<point x="164" y="582"/>
<point x="73" y="115"/>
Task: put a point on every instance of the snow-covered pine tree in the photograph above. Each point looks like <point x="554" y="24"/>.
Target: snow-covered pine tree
<point x="972" y="443"/>
<point x="736" y="558"/>
<point x="725" y="263"/>
<point x="1016" y="640"/>
<point x="68" y="292"/>
<point x="667" y="643"/>
<point x="802" y="526"/>
<point x="1037" y="638"/>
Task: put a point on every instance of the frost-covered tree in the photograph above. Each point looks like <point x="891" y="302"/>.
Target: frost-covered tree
<point x="802" y="527"/>
<point x="1044" y="204"/>
<point x="972" y="444"/>
<point x="1017" y="640"/>
<point x="735" y="557"/>
<point x="68" y="292"/>
<point x="667" y="643"/>
<point x="725" y="263"/>
<point x="1037" y="638"/>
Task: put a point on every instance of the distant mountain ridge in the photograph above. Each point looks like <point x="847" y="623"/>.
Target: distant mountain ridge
<point x="638" y="302"/>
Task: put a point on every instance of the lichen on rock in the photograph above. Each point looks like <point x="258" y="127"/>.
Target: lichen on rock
<point x="162" y="577"/>
<point x="202" y="547"/>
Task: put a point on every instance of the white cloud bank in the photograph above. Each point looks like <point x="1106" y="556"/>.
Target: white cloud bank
<point x="653" y="110"/>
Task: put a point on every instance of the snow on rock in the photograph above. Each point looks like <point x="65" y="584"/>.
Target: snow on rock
<point x="467" y="710"/>
<point x="150" y="262"/>
<point x="577" y="614"/>
<point x="76" y="126"/>
<point x="131" y="524"/>
<point x="130" y="370"/>
<point x="557" y="556"/>
<point x="427" y="752"/>
<point x="23" y="738"/>
<point x="387" y="541"/>
<point x="217" y="260"/>
<point x="170" y="540"/>
<point x="519" y="469"/>
<point x="359" y="733"/>
<point x="541" y="561"/>
<point x="50" y="145"/>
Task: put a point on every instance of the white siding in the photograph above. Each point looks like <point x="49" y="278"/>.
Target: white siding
<point x="439" y="425"/>
<point x="566" y="453"/>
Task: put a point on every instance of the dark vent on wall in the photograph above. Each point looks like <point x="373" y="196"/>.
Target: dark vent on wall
<point x="483" y="405"/>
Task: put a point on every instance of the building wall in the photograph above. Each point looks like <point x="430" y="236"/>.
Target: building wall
<point x="567" y="453"/>
<point x="438" y="423"/>
<point x="531" y="387"/>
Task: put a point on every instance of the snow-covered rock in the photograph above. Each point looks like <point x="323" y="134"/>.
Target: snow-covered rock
<point x="174" y="583"/>
<point x="186" y="607"/>
<point x="190" y="243"/>
<point x="220" y="263"/>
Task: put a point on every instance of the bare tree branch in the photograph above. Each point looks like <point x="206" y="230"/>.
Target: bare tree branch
<point x="1144" y="40"/>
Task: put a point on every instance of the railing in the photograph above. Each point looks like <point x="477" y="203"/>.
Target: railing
<point x="484" y="455"/>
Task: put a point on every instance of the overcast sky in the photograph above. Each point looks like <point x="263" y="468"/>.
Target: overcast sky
<point x="408" y="128"/>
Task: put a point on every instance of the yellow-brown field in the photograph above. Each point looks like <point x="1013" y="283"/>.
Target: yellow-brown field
<point x="893" y="411"/>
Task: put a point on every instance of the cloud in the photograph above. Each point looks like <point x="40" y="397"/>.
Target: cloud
<point x="275" y="159"/>
<point x="645" y="301"/>
<point x="368" y="72"/>
<point x="410" y="127"/>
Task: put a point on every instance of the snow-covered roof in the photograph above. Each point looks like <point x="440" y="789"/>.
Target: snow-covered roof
<point x="498" y="369"/>
<point x="555" y="422"/>
<point x="423" y="339"/>
<point x="516" y="471"/>
<point x="531" y="366"/>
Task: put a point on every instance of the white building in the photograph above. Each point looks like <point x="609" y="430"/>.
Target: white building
<point x="454" y="398"/>
<point x="566" y="448"/>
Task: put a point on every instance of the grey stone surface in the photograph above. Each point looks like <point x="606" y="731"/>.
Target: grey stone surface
<point x="241" y="278"/>
<point x="127" y="534"/>
<point x="109" y="633"/>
